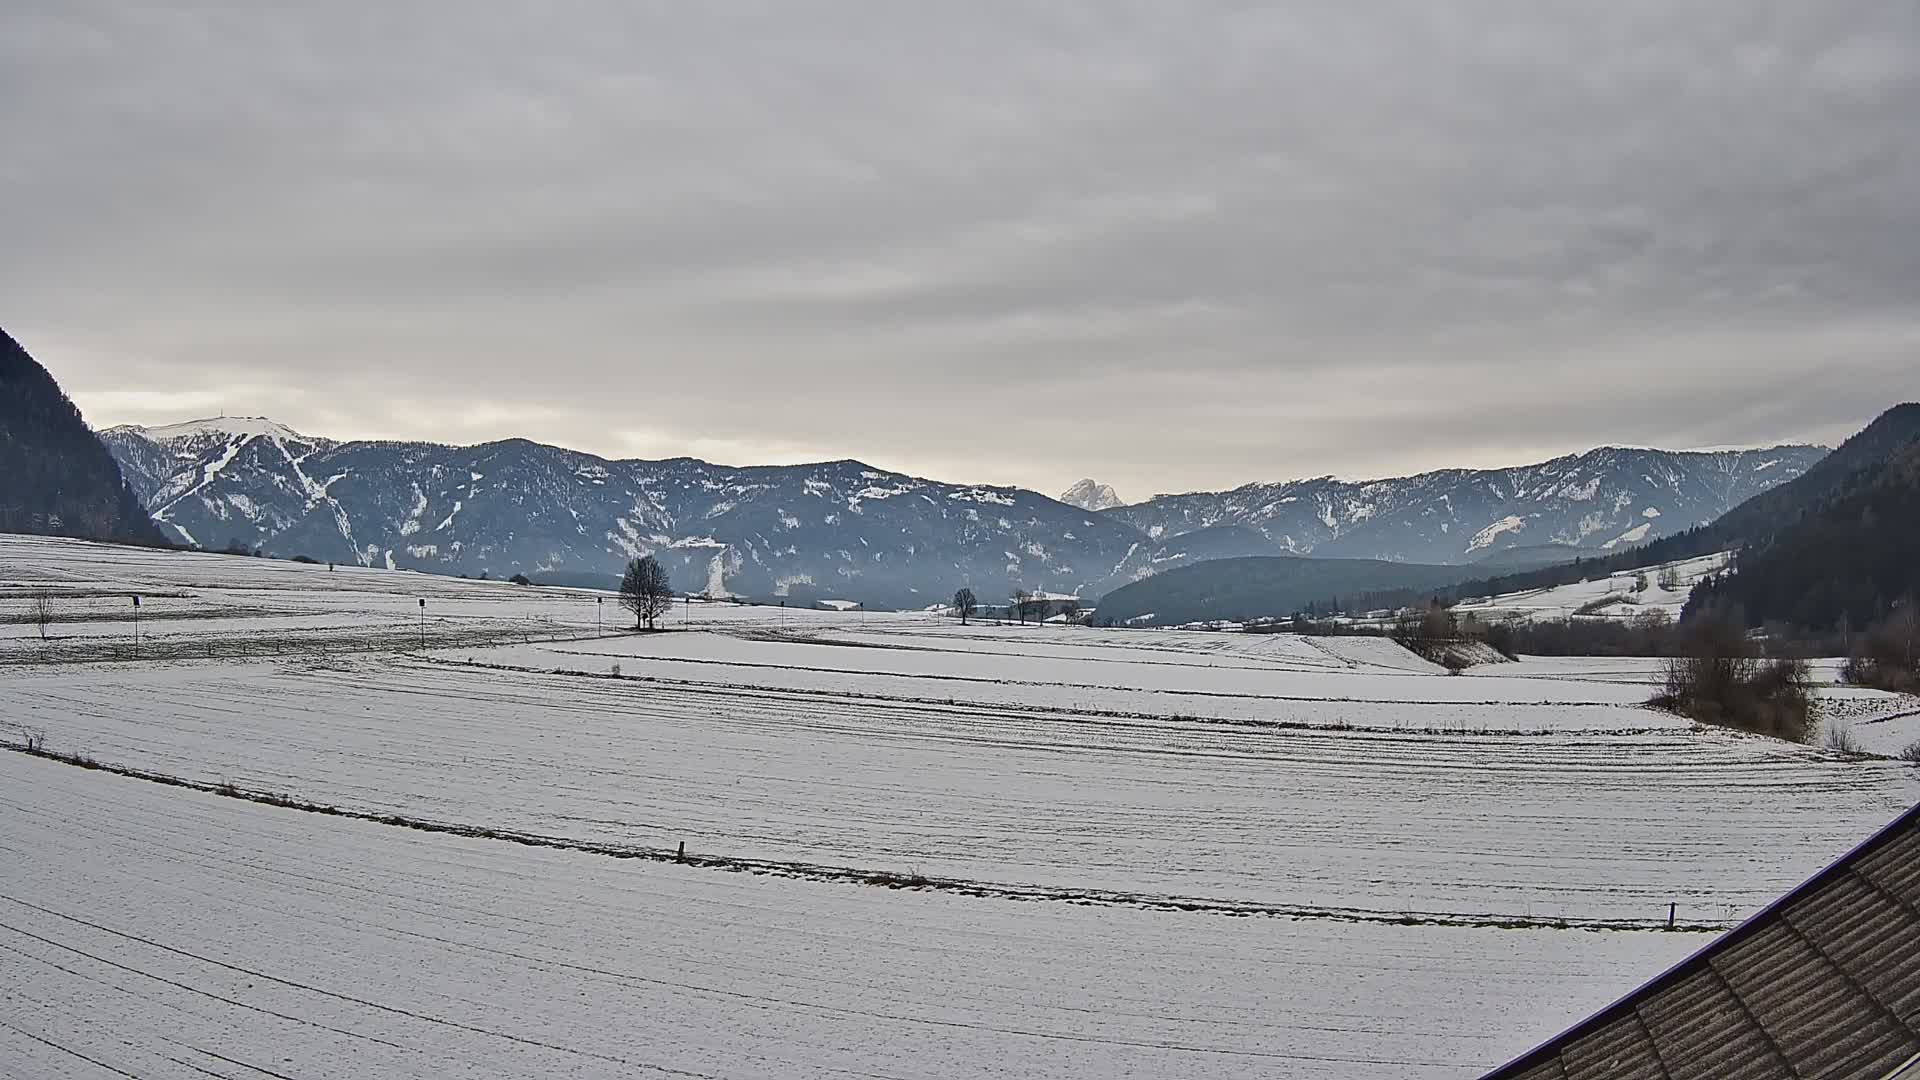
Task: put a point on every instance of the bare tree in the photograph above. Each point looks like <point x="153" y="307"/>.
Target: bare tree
<point x="1020" y="598"/>
<point x="1426" y="630"/>
<point x="42" y="613"/>
<point x="1887" y="655"/>
<point x="645" y="591"/>
<point x="965" y="604"/>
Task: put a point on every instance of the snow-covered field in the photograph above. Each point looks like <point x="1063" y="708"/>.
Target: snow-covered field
<point x="168" y="933"/>
<point x="1615" y="596"/>
<point x="1154" y="853"/>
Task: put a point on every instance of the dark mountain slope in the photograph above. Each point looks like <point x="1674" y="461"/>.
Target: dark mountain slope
<point x="1850" y="557"/>
<point x="1834" y="486"/>
<point x="1753" y="522"/>
<point x="56" y="478"/>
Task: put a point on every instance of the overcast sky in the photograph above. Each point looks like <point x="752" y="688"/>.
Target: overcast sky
<point x="1171" y="246"/>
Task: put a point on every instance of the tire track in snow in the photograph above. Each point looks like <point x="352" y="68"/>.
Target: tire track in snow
<point x="307" y="988"/>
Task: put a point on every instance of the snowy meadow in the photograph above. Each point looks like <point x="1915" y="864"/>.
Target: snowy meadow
<point x="333" y="831"/>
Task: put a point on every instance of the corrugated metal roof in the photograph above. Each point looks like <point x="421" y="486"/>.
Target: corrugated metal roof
<point x="1824" y="983"/>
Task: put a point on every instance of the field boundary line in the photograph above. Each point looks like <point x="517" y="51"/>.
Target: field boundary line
<point x="890" y="879"/>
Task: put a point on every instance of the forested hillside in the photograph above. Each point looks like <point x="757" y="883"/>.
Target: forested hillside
<point x="1848" y="560"/>
<point x="56" y="478"/>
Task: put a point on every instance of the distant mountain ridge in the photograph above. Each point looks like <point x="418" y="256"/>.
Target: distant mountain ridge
<point x="1836" y="539"/>
<point x="1608" y="498"/>
<point x="832" y="529"/>
<point x="56" y="477"/>
<point x="829" y="529"/>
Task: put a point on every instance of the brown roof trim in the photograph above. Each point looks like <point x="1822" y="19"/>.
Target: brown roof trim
<point x="1764" y="917"/>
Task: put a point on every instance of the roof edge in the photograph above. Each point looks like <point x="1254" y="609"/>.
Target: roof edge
<point x="1747" y="928"/>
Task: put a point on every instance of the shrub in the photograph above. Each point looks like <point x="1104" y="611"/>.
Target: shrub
<point x="1840" y="737"/>
<point x="1425" y="631"/>
<point x="1887" y="656"/>
<point x="520" y="579"/>
<point x="1504" y="637"/>
<point x="1912" y="752"/>
<point x="1720" y="680"/>
<point x="1880" y="675"/>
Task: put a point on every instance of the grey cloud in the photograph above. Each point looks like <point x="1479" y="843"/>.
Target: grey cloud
<point x="1172" y="246"/>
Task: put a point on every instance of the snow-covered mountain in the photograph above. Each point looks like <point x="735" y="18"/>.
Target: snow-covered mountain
<point x="1088" y="495"/>
<point x="844" y="529"/>
<point x="1605" y="499"/>
<point x="824" y="530"/>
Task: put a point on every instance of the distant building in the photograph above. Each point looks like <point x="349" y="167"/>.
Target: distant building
<point x="1824" y="983"/>
<point x="1047" y="606"/>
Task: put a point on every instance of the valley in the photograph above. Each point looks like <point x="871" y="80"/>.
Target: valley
<point x="1091" y="851"/>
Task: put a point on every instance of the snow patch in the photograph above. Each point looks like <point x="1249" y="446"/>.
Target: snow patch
<point x="1485" y="537"/>
<point x="783" y="586"/>
<point x="871" y="492"/>
<point x="981" y="495"/>
<point x="1631" y="536"/>
<point x="627" y="539"/>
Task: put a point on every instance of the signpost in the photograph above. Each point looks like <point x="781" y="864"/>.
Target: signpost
<point x="423" y="624"/>
<point x="136" y="627"/>
<point x="599" y="605"/>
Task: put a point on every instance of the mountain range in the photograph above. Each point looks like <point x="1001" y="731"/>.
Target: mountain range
<point x="845" y="529"/>
<point x="1605" y="499"/>
<point x="1834" y="540"/>
<point x="807" y="531"/>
